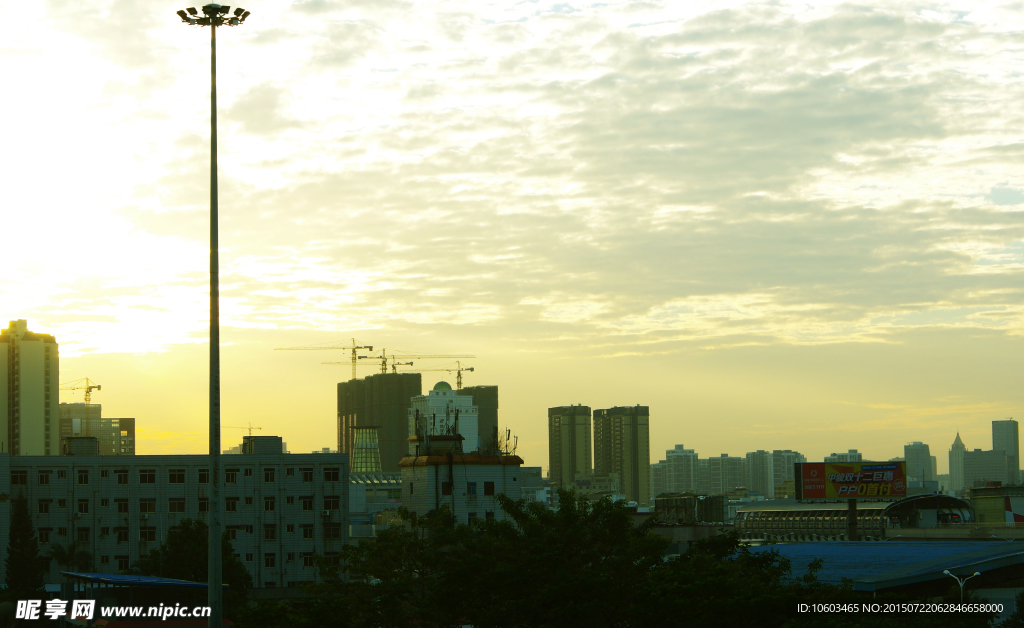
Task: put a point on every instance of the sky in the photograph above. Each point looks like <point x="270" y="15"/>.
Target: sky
<point x="781" y="225"/>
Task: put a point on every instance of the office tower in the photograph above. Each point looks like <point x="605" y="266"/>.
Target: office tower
<point x="919" y="462"/>
<point x="726" y="474"/>
<point x="441" y="411"/>
<point x="986" y="466"/>
<point x="29" y="381"/>
<point x="116" y="437"/>
<point x="1005" y="438"/>
<point x="681" y="471"/>
<point x="760" y="469"/>
<point x="485" y="398"/>
<point x="382" y="401"/>
<point x="568" y="444"/>
<point x="956" y="464"/>
<point x="851" y="456"/>
<point x="622" y="445"/>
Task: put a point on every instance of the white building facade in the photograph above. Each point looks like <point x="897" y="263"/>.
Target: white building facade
<point x="438" y="411"/>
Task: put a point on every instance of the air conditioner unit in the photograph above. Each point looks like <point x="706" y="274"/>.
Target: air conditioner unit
<point x="78" y="515"/>
<point x="327" y="513"/>
<point x="144" y="517"/>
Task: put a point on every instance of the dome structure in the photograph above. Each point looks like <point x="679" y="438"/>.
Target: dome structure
<point x="442" y="386"/>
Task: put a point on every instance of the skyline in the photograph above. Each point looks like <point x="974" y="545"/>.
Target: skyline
<point x="779" y="226"/>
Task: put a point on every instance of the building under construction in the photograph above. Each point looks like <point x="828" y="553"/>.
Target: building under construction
<point x="380" y="401"/>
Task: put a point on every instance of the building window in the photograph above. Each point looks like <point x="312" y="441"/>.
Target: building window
<point x="104" y="473"/>
<point x="62" y="474"/>
<point x="83" y="535"/>
<point x="232" y="534"/>
<point x="268" y="475"/>
<point x="231" y="476"/>
<point x="489" y="515"/>
<point x="44" y="477"/>
<point x="62" y="503"/>
<point x="83" y="506"/>
<point x="290" y="500"/>
<point x="307" y="531"/>
<point x="104" y="531"/>
<point x="83" y="476"/>
<point x="289" y="472"/>
<point x="19" y="478"/>
<point x="122" y="535"/>
<point x="122" y="563"/>
<point x="147" y="505"/>
<point x="122" y="476"/>
<point x="176" y="476"/>
<point x="122" y="506"/>
<point x="104" y="560"/>
<point x="411" y="491"/>
<point x="248" y="529"/>
<point x="147" y="476"/>
<point x="446" y="488"/>
<point x="332" y="502"/>
<point x="471" y="516"/>
<point x="488" y="488"/>
<point x="248" y="557"/>
<point x="291" y="527"/>
<point x="332" y="531"/>
<point x="62" y="531"/>
<point x="291" y="557"/>
<point x="307" y="475"/>
<point x="248" y="501"/>
<point x="471" y="488"/>
<point x="204" y="476"/>
<point x="307" y="560"/>
<point x="105" y="502"/>
<point x="307" y="502"/>
<point x="332" y="559"/>
<point x="44" y="535"/>
<point x="204" y="504"/>
<point x="147" y="534"/>
<point x="176" y="505"/>
<point x="44" y="506"/>
<point x="270" y="532"/>
<point x="331" y="474"/>
<point x="268" y="504"/>
<point x="248" y="473"/>
<point x="231" y="504"/>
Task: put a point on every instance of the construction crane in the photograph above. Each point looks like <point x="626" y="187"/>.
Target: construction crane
<point x="235" y="427"/>
<point x="85" y="384"/>
<point x="383" y="357"/>
<point x="458" y="368"/>
<point x="354" y="348"/>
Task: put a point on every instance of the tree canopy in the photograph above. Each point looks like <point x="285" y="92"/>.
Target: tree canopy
<point x="25" y="568"/>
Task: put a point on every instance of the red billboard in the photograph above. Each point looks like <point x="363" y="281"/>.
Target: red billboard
<point x="851" y="480"/>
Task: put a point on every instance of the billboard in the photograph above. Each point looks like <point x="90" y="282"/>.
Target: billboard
<point x="851" y="480"/>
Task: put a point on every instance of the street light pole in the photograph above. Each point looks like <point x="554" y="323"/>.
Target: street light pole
<point x="214" y="16"/>
<point x="961" y="582"/>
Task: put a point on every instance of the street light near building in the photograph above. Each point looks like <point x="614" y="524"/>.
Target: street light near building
<point x="214" y="15"/>
<point x="961" y="582"/>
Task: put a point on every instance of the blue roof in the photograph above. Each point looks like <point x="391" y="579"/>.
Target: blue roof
<point x="881" y="565"/>
<point x="136" y="581"/>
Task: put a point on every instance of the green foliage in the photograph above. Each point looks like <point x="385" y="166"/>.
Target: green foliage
<point x="25" y="567"/>
<point x="184" y="556"/>
<point x="72" y="557"/>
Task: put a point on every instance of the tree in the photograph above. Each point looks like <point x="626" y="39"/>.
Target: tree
<point x="73" y="557"/>
<point x="184" y="556"/>
<point x="25" y="567"/>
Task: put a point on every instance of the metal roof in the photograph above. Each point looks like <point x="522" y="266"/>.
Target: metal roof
<point x="136" y="581"/>
<point x="875" y="566"/>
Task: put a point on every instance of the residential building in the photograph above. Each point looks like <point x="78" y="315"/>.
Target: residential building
<point x="569" y="444"/>
<point x="485" y="398"/>
<point x="382" y="401"/>
<point x="279" y="510"/>
<point x="622" y="446"/>
<point x="442" y="411"/>
<point x="851" y="456"/>
<point x="116" y="437"/>
<point x="658" y="483"/>
<point x="919" y="462"/>
<point x="1006" y="438"/>
<point x="760" y="473"/>
<point x="783" y="463"/>
<point x="29" y="383"/>
<point x="681" y="473"/>
<point x="725" y="474"/>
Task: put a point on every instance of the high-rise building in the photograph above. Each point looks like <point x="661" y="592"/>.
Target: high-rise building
<point x="622" y="445"/>
<point x="919" y="462"/>
<point x="485" y="398"/>
<point x="851" y="456"/>
<point x="569" y="444"/>
<point x="726" y="474"/>
<point x="381" y="401"/>
<point x="658" y="483"/>
<point x="681" y="471"/>
<point x="116" y="437"/>
<point x="29" y="381"/>
<point x="986" y="466"/>
<point x="1005" y="437"/>
<point x="956" y="464"/>
<point x="760" y="470"/>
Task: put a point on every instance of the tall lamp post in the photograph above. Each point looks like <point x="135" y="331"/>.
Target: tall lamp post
<point x="214" y="15"/>
<point x="961" y="582"/>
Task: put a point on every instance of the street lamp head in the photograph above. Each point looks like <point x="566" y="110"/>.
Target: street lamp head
<point x="947" y="572"/>
<point x="976" y="573"/>
<point x="239" y="11"/>
<point x="214" y="16"/>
